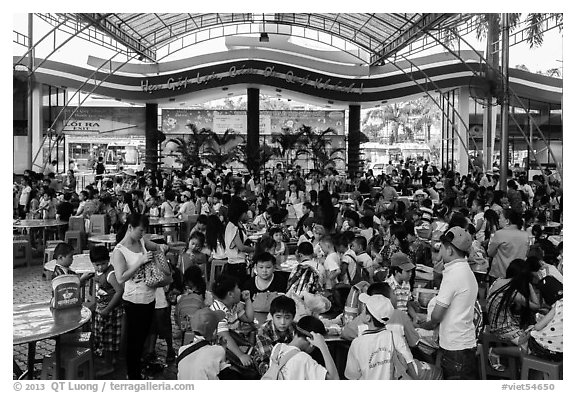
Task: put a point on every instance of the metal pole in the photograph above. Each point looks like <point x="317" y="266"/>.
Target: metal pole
<point x="531" y="143"/>
<point x="452" y="137"/>
<point x="30" y="87"/>
<point x="505" y="103"/>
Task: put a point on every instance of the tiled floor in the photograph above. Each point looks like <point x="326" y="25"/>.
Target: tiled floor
<point x="30" y="287"/>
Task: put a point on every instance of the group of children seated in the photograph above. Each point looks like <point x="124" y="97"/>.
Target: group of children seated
<point x="269" y="328"/>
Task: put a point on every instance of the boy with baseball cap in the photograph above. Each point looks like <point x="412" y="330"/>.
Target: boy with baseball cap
<point x="401" y="268"/>
<point x="371" y="355"/>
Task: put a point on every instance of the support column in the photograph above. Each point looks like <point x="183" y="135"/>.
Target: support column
<point x="30" y="89"/>
<point x="253" y="129"/>
<point x="355" y="164"/>
<point x="505" y="105"/>
<point x="464" y="111"/>
<point x="152" y="136"/>
<point x="36" y="129"/>
<point x="490" y="112"/>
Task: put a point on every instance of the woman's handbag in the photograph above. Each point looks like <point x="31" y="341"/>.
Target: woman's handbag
<point x="157" y="272"/>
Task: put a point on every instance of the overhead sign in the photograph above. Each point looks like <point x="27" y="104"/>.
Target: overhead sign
<point x="101" y="121"/>
<point x="100" y="126"/>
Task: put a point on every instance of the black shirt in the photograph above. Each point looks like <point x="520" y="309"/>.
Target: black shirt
<point x="65" y="210"/>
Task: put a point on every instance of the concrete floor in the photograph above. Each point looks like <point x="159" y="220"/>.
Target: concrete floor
<point x="30" y="287"/>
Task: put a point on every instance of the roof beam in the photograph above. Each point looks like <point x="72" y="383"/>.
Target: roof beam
<point x="394" y="46"/>
<point x="120" y="35"/>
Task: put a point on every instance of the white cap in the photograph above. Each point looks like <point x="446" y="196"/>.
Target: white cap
<point x="379" y="306"/>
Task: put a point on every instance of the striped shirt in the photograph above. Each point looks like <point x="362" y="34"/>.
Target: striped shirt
<point x="231" y="319"/>
<point x="402" y="292"/>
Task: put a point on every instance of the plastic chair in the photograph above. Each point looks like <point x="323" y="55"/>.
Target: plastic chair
<point x="99" y="224"/>
<point x="77" y="239"/>
<point x="22" y="245"/>
<point x="216" y="263"/>
<point x="76" y="362"/>
<point x="548" y="369"/>
<point x="76" y="224"/>
<point x="489" y="340"/>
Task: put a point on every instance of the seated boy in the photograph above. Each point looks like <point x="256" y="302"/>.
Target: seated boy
<point x="309" y="333"/>
<point x="399" y="320"/>
<point x="359" y="245"/>
<point x="63" y="254"/>
<point x="371" y="355"/>
<point x="279" y="329"/>
<point x="400" y="270"/>
<point x="308" y="275"/>
<point x="228" y="298"/>
<point x="331" y="263"/>
<point x="200" y="360"/>
<point x="265" y="281"/>
<point x="347" y="256"/>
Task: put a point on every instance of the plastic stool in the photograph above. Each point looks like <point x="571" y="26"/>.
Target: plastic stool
<point x="216" y="263"/>
<point x="76" y="362"/>
<point x="489" y="340"/>
<point x="550" y="370"/>
<point x="49" y="254"/>
<point x="77" y="339"/>
<point x="23" y="245"/>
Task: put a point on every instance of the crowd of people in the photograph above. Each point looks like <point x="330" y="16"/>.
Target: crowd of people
<point x="359" y="238"/>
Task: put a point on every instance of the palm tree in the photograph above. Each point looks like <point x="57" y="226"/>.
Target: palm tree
<point x="320" y="148"/>
<point x="289" y="142"/>
<point x="191" y="147"/>
<point x="261" y="156"/>
<point x="222" y="149"/>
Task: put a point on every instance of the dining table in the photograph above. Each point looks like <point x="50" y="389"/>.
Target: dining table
<point x="33" y="322"/>
<point x="27" y="225"/>
<point x="110" y="239"/>
<point x="156" y="223"/>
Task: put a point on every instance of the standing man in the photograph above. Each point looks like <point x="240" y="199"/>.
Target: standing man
<point x="454" y="310"/>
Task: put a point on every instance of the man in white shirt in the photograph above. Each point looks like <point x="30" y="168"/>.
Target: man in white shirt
<point x="454" y="310"/>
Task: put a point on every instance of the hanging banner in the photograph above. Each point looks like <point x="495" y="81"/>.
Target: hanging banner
<point x="177" y="121"/>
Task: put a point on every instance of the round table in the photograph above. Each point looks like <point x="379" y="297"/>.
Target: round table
<point x="25" y="224"/>
<point x="81" y="263"/>
<point x="165" y="221"/>
<point x="110" y="239"/>
<point x="39" y="223"/>
<point x="33" y="322"/>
